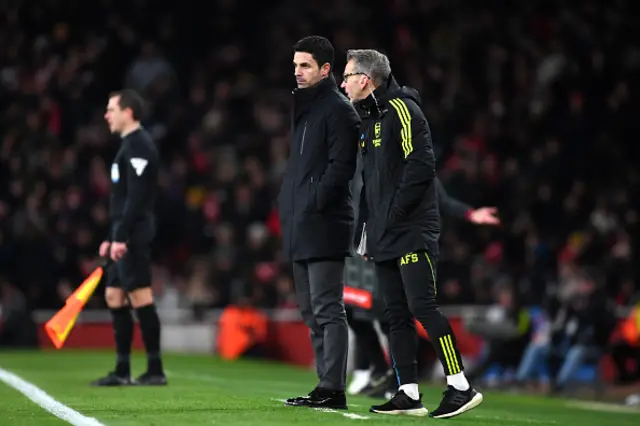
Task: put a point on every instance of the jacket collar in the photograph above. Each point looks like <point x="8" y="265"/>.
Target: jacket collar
<point x="376" y="103"/>
<point x="312" y="93"/>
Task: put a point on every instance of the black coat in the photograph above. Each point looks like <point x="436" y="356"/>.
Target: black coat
<point x="400" y="204"/>
<point x="314" y="204"/>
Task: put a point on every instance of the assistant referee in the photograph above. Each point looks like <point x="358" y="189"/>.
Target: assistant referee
<point x="134" y="177"/>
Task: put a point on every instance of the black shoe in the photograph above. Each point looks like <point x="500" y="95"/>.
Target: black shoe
<point x="320" y="398"/>
<point x="113" y="379"/>
<point x="300" y="400"/>
<point x="455" y="402"/>
<point x="401" y="403"/>
<point x="378" y="384"/>
<point x="149" y="379"/>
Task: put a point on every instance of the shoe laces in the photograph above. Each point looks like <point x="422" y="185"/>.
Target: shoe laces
<point x="400" y="399"/>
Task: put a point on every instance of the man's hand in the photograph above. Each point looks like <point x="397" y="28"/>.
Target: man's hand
<point x="103" y="251"/>
<point x="484" y="216"/>
<point x="118" y="250"/>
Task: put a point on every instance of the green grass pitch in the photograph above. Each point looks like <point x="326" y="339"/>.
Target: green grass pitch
<point x="206" y="391"/>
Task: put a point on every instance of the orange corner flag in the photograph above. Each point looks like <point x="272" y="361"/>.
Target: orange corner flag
<point x="60" y="325"/>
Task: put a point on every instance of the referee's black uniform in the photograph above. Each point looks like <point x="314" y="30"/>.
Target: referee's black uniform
<point x="134" y="183"/>
<point x="134" y="177"/>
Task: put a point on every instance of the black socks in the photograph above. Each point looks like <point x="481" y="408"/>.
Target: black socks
<point x="150" y="327"/>
<point x="123" y="334"/>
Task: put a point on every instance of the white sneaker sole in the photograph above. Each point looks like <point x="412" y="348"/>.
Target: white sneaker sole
<point x="475" y="401"/>
<point x="415" y="412"/>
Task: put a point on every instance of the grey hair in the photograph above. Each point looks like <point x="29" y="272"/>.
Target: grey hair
<point x="370" y="62"/>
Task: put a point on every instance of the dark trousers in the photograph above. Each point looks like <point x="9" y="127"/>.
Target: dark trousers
<point x="408" y="286"/>
<point x="368" y="347"/>
<point x="369" y="352"/>
<point x="319" y="290"/>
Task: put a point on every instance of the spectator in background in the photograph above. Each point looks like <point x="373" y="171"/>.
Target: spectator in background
<point x="537" y="118"/>
<point x="506" y="331"/>
<point x="626" y="348"/>
<point x="578" y="334"/>
<point x="17" y="328"/>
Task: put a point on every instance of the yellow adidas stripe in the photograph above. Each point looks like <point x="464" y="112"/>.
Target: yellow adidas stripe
<point x="449" y="354"/>
<point x="446" y="355"/>
<point x="454" y="358"/>
<point x="403" y="130"/>
<point x="405" y="120"/>
<point x="409" y="132"/>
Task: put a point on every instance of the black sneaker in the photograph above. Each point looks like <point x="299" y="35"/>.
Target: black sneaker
<point x="455" y="402"/>
<point x="149" y="379"/>
<point x="401" y="403"/>
<point x="320" y="398"/>
<point x="112" y="379"/>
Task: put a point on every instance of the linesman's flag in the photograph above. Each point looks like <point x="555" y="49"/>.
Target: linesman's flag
<point x="59" y="326"/>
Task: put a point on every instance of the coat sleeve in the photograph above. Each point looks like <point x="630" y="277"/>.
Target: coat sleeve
<point x="140" y="180"/>
<point x="420" y="164"/>
<point x="343" y="127"/>
<point x="448" y="205"/>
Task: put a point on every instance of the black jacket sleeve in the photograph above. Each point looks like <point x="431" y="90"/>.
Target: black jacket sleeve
<point x="140" y="181"/>
<point x="419" y="169"/>
<point x="450" y="206"/>
<point x="343" y="127"/>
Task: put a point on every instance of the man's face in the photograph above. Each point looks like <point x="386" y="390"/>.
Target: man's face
<point x="307" y="71"/>
<point x="354" y="83"/>
<point x="115" y="116"/>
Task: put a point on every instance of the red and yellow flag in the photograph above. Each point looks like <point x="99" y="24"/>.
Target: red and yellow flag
<point x="60" y="325"/>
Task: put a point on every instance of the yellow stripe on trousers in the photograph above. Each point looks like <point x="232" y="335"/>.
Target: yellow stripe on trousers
<point x="445" y="352"/>
<point x="453" y="354"/>
<point x="433" y="274"/>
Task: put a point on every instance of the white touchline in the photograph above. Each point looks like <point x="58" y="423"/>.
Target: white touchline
<point x="45" y="400"/>
<point x="348" y="415"/>
<point x="329" y="410"/>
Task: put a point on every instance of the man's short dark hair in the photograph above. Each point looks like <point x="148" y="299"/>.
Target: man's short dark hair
<point x="130" y="99"/>
<point x="319" y="47"/>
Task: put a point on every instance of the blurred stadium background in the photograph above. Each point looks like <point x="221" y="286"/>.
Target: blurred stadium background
<point x="533" y="108"/>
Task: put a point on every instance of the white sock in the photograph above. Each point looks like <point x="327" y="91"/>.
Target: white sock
<point x="458" y="381"/>
<point x="411" y="390"/>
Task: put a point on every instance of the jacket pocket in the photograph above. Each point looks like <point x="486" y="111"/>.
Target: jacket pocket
<point x="312" y="205"/>
<point x="394" y="214"/>
<point x="320" y="198"/>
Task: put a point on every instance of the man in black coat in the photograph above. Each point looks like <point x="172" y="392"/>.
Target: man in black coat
<point x="400" y="208"/>
<point x="316" y="212"/>
<point x="361" y="274"/>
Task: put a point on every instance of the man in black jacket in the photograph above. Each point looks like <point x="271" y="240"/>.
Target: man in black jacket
<point x="400" y="209"/>
<point x="369" y="352"/>
<point x="316" y="212"/>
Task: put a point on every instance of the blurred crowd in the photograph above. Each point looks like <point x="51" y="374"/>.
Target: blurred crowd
<point x="531" y="105"/>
